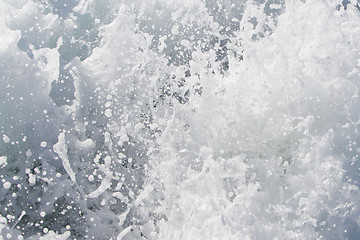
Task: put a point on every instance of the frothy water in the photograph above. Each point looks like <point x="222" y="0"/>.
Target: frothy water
<point x="179" y="119"/>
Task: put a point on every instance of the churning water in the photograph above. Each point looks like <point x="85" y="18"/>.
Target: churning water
<point x="191" y="119"/>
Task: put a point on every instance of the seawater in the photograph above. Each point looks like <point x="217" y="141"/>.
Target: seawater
<point x="179" y="119"/>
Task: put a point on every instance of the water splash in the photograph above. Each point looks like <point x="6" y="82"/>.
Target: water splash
<point x="180" y="119"/>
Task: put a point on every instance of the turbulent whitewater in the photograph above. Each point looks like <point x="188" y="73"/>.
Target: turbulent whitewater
<point x="192" y="119"/>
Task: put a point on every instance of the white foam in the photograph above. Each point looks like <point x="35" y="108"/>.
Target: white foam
<point x="3" y="160"/>
<point x="6" y="139"/>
